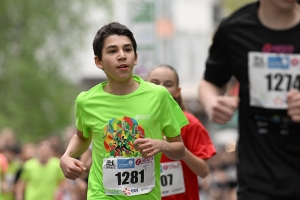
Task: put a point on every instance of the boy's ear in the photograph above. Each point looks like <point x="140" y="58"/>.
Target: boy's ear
<point x="98" y="62"/>
<point x="136" y="59"/>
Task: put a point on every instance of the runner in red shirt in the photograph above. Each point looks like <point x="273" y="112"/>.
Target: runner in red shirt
<point x="179" y="178"/>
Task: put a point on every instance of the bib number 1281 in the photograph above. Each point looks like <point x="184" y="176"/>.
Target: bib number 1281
<point x="130" y="177"/>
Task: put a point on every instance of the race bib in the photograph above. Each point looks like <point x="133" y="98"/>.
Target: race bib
<point x="271" y="76"/>
<point x="171" y="178"/>
<point x="128" y="176"/>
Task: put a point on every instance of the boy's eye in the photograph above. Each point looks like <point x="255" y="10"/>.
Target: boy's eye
<point x="112" y="51"/>
<point x="128" y="49"/>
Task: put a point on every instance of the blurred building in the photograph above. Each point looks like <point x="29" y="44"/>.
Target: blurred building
<point x="167" y="31"/>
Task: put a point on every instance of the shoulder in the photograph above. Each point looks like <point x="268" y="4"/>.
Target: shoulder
<point x="243" y="16"/>
<point x="31" y="162"/>
<point x="89" y="93"/>
<point x="194" y="123"/>
<point x="54" y="160"/>
<point x="192" y="118"/>
<point x="85" y="95"/>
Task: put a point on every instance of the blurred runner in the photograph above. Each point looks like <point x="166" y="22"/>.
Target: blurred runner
<point x="259" y="45"/>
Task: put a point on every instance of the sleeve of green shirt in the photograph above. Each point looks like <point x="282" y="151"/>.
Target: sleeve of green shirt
<point x="79" y="109"/>
<point x="173" y="117"/>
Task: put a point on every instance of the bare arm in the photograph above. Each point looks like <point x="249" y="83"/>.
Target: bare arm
<point x="71" y="167"/>
<point x="173" y="148"/>
<point x="218" y="107"/>
<point x="77" y="145"/>
<point x="86" y="158"/>
<point x="208" y="91"/>
<point x="196" y="164"/>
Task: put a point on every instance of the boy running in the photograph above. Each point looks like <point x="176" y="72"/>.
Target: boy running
<point x="113" y="112"/>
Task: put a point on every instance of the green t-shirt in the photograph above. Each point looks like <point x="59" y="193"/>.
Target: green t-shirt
<point x="115" y="121"/>
<point x="41" y="180"/>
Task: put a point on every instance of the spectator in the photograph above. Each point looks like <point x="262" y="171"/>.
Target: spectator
<point x="40" y="176"/>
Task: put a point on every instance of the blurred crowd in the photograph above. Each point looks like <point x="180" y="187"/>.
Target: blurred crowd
<point x="16" y="178"/>
<point x="34" y="167"/>
<point x="221" y="182"/>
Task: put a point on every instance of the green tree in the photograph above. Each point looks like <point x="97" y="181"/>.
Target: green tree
<point x="36" y="39"/>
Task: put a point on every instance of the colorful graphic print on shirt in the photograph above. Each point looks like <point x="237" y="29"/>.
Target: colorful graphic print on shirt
<point x="119" y="135"/>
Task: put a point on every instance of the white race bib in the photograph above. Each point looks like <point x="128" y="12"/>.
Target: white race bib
<point x="271" y="76"/>
<point x="128" y="176"/>
<point x="171" y="178"/>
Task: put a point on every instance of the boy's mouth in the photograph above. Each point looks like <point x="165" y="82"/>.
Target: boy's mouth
<point x="122" y="66"/>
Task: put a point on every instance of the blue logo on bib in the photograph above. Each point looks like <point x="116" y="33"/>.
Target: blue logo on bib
<point x="126" y="163"/>
<point x="278" y="62"/>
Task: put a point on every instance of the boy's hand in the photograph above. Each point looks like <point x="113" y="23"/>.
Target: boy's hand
<point x="148" y="147"/>
<point x="71" y="167"/>
<point x="293" y="102"/>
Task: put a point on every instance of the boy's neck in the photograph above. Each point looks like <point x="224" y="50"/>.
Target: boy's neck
<point x="121" y="88"/>
<point x="277" y="18"/>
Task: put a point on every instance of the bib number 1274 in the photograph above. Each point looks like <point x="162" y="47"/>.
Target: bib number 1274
<point x="276" y="82"/>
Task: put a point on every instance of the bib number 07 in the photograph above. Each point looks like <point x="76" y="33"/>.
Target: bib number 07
<point x="164" y="180"/>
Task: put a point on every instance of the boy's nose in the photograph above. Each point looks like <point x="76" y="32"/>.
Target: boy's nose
<point x="122" y="55"/>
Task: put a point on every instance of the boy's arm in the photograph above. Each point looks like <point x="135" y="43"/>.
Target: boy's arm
<point x="86" y="158"/>
<point x="72" y="167"/>
<point x="173" y="148"/>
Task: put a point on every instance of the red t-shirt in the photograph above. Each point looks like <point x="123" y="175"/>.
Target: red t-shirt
<point x="3" y="164"/>
<point x="197" y="141"/>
